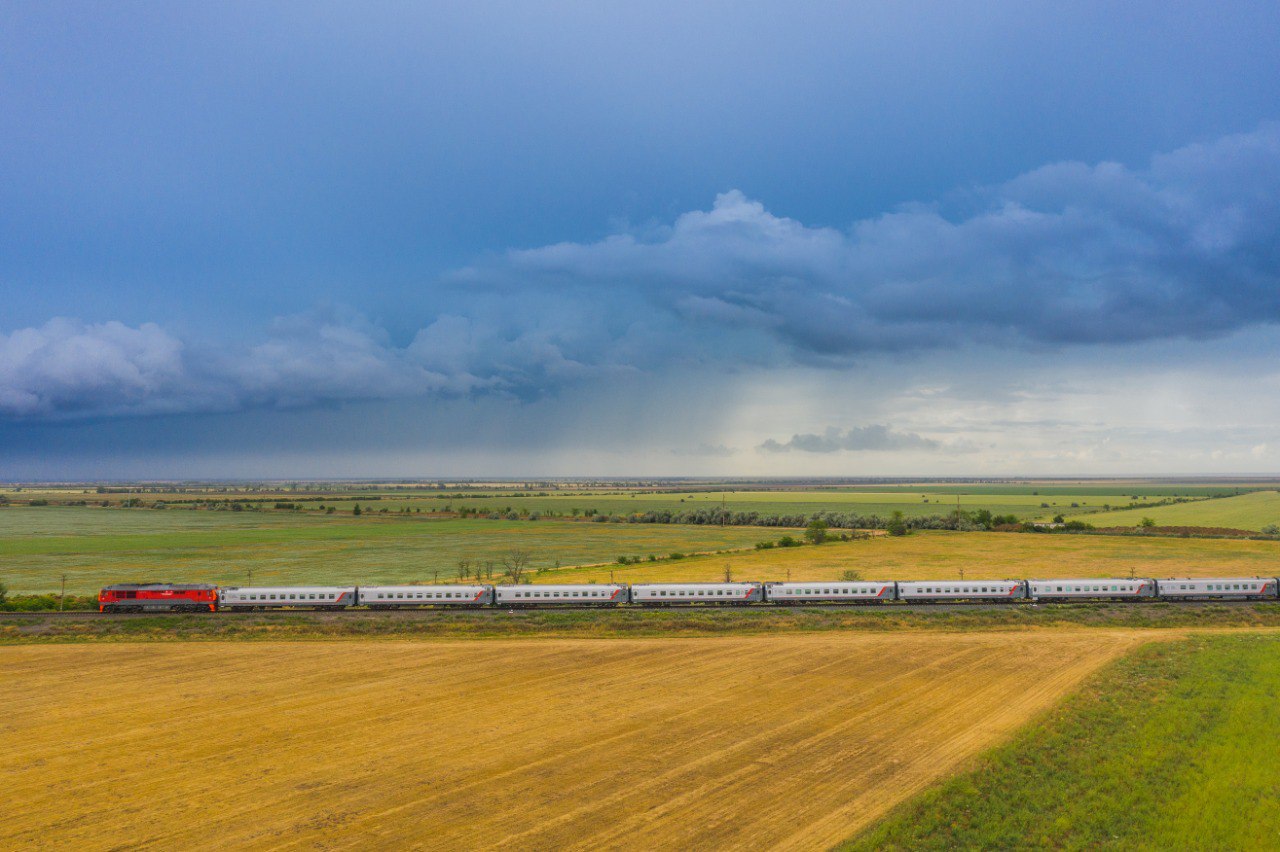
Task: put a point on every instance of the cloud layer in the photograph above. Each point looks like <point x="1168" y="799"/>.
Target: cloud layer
<point x="874" y="438"/>
<point x="1066" y="255"/>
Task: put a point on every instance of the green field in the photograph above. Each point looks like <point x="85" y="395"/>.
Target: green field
<point x="1167" y="749"/>
<point x="98" y="546"/>
<point x="883" y="503"/>
<point x="1024" y="501"/>
<point x="1247" y="512"/>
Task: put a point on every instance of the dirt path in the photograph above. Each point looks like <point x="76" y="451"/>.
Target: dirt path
<point x="779" y="742"/>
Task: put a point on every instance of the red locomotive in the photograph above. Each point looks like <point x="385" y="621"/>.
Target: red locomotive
<point x="158" y="597"/>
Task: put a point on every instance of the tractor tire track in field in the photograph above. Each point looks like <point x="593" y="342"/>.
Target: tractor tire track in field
<point x="779" y="742"/>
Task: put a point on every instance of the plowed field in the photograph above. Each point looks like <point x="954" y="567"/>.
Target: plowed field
<point x="782" y="742"/>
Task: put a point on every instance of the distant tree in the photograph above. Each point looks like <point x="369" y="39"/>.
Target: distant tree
<point x="787" y="541"/>
<point x="1057" y="519"/>
<point x="4" y="593"/>
<point x="488" y="570"/>
<point x="1147" y="522"/>
<point x="897" y="524"/>
<point x="851" y="576"/>
<point x="728" y="573"/>
<point x="464" y="568"/>
<point x="1271" y="529"/>
<point x="356" y="510"/>
<point x="816" y="532"/>
<point x="329" y="510"/>
<point x="515" y="565"/>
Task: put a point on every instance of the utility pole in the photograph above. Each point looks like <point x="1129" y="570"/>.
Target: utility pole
<point x="62" y="596"/>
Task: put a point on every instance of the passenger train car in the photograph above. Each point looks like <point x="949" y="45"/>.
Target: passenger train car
<point x="939" y="591"/>
<point x="169" y="597"/>
<point x="584" y="594"/>
<point x="1220" y="588"/>
<point x="674" y="594"/>
<point x="286" y="597"/>
<point x="1092" y="589"/>
<point x="401" y="597"/>
<point x="842" y="592"/>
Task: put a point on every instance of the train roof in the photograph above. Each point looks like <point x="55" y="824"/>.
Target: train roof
<point x="158" y="587"/>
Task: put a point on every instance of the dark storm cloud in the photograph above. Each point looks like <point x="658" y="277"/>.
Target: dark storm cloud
<point x="1068" y="254"/>
<point x="1065" y="254"/>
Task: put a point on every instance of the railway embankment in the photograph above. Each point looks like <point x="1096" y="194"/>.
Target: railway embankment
<point x="23" y="628"/>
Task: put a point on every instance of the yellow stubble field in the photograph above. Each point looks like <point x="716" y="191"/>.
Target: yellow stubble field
<point x="778" y="742"/>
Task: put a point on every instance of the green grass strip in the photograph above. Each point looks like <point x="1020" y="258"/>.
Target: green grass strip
<point x="1172" y="747"/>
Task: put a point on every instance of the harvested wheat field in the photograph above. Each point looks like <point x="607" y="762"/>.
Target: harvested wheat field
<point x="785" y="742"/>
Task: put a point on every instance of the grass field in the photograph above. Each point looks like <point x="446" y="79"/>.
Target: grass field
<point x="1023" y="501"/>
<point x="98" y="546"/>
<point x="1247" y="512"/>
<point x="883" y="503"/>
<point x="793" y="742"/>
<point x="943" y="555"/>
<point x="1166" y="750"/>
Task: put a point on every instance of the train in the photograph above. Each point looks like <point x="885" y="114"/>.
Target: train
<point x="201" y="597"/>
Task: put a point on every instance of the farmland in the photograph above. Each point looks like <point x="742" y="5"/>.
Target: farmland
<point x="97" y="546"/>
<point x="1025" y="501"/>
<point x="1159" y="752"/>
<point x="790" y="741"/>
<point x="1250" y="511"/>
<point x="980" y="555"/>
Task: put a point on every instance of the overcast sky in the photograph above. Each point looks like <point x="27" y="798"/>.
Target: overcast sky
<point x="471" y="239"/>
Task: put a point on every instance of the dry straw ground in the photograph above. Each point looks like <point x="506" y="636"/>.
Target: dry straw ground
<point x="953" y="555"/>
<point x="781" y="742"/>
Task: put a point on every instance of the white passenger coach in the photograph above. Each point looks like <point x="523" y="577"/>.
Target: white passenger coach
<point x="845" y="591"/>
<point x="1097" y="588"/>
<point x="285" y="597"/>
<point x="668" y="594"/>
<point x="584" y="594"/>
<point x="1218" y="588"/>
<point x="951" y="590"/>
<point x="398" y="597"/>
